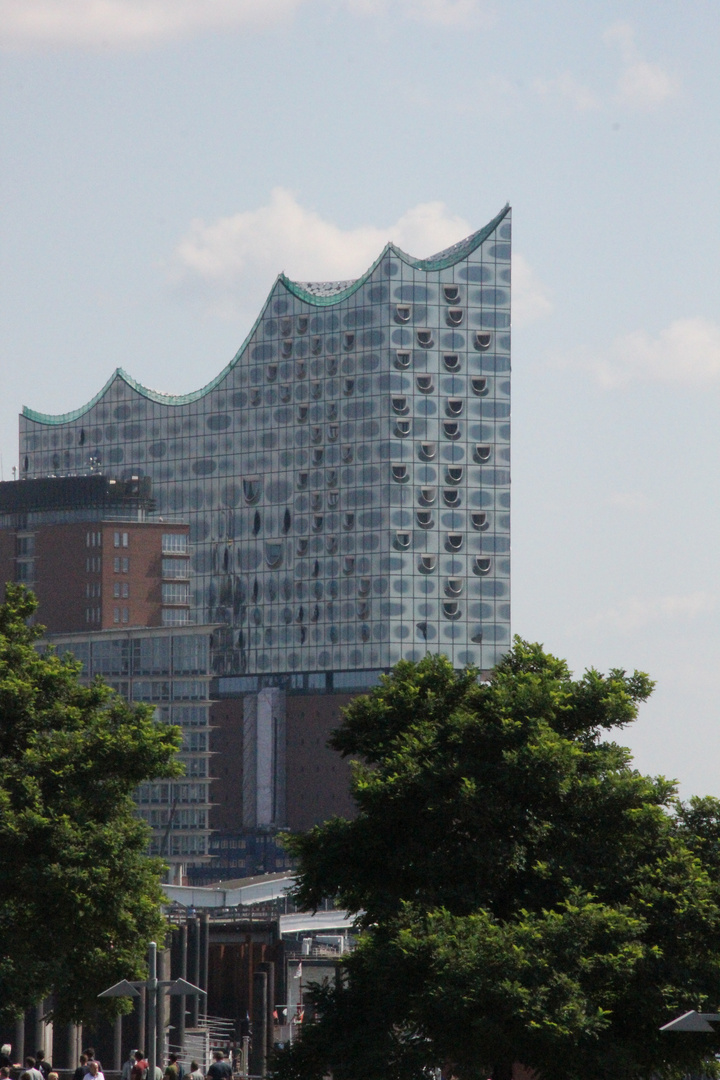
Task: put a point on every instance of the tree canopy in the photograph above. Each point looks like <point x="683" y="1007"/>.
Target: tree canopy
<point x="79" y="899"/>
<point x="525" y="895"/>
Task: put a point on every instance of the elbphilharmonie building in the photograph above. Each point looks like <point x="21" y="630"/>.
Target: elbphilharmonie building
<point x="346" y="477"/>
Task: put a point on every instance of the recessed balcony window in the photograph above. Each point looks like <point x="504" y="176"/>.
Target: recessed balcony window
<point x="363" y="609"/>
<point x="454" y="474"/>
<point x="454" y="541"/>
<point x="300" y="369"/>
<point x="425" y="339"/>
<point x="427" y="564"/>
<point x="349" y="564"/>
<point x="333" y="432"/>
<point x="482" y="452"/>
<point x="273" y="555"/>
<point x="402" y="313"/>
<point x="302" y="545"/>
<point x="402" y="359"/>
<point x="479" y="520"/>
<point x="316" y="569"/>
<point x="331" y="410"/>
<point x="451" y="497"/>
<point x="427" y="451"/>
<point x="285" y="327"/>
<point x="348" y="522"/>
<point x="453" y="586"/>
<point x="428" y="496"/>
<point x="331" y="365"/>
<point x="402" y="428"/>
<point x="271" y="372"/>
<point x="302" y="324"/>
<point x="454" y="316"/>
<point x="349" y="341"/>
<point x="255" y="397"/>
<point x="302" y="481"/>
<point x="479" y="385"/>
<point x="451" y="609"/>
<point x="285" y="393"/>
<point x="252" y="489"/>
<point x="347" y="454"/>
<point x="348" y="387"/>
<point x="454" y="406"/>
<point x="399" y="473"/>
<point x="451" y="293"/>
<point x="451" y="429"/>
<point x="483" y="339"/>
<point x="425" y="384"/>
<point x="482" y="564"/>
<point x="424" y="519"/>
<point x="287" y="348"/>
<point x="451" y="362"/>
<point x="316" y="501"/>
<point x="402" y="540"/>
<point x="331" y="477"/>
<point x="302" y="412"/>
<point x="476" y="636"/>
<point x="316" y="346"/>
<point x="364" y="586"/>
<point x="333" y="498"/>
<point x="317" y="523"/>
<point x="316" y="390"/>
<point x="318" y="455"/>
<point x="400" y="405"/>
<point x="316" y="434"/>
<point x="331" y="545"/>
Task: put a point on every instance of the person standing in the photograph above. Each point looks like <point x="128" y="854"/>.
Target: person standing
<point x="221" y="1069"/>
<point x="94" y="1070"/>
<point x="195" y="1072"/>
<point x="42" y="1065"/>
<point x="35" y="1073"/>
<point x="81" y="1069"/>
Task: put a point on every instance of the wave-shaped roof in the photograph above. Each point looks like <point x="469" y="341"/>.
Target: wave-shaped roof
<point x="318" y="293"/>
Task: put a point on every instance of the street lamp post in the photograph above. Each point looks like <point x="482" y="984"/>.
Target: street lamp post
<point x="125" y="988"/>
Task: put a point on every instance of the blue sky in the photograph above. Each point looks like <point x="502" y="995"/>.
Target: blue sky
<point x="163" y="160"/>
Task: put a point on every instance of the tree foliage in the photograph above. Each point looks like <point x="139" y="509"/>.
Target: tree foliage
<point x="80" y="899"/>
<point x="525" y="895"/>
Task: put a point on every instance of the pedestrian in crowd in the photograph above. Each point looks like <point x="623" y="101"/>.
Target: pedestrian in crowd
<point x="35" y="1073"/>
<point x="140" y="1066"/>
<point x="4" y="1072"/>
<point x="172" y="1069"/>
<point x="53" y="1075"/>
<point x="195" y="1072"/>
<point x="94" y="1071"/>
<point x="128" y="1066"/>
<point x="90" y="1054"/>
<point x="80" y="1071"/>
<point x="5" y="1059"/>
<point x="42" y="1065"/>
<point x="221" y="1069"/>
<point x="25" y="1075"/>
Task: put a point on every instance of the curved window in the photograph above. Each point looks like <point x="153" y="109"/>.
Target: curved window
<point x="482" y="564"/>
<point x="477" y="635"/>
<point x="349" y="564"/>
<point x="286" y="615"/>
<point x="252" y="489"/>
<point x="427" y="451"/>
<point x="331" y="410"/>
<point x="482" y="340"/>
<point x="300" y="617"/>
<point x="363" y="609"/>
<point x="331" y="365"/>
<point x="302" y="545"/>
<point x="331" y="477"/>
<point x="271" y="372"/>
<point x="333" y="432"/>
<point x="399" y="473"/>
<point x="333" y="498"/>
<point x="481" y="453"/>
<point x="287" y="349"/>
<point x="451" y="293"/>
<point x="285" y="393"/>
<point x="428" y="496"/>
<point x="479" y="385"/>
<point x="302" y="324"/>
<point x="316" y="390"/>
<point x="285" y="327"/>
<point x="349" y="387"/>
<point x="425" y="519"/>
<point x="317" y="456"/>
<point x="317" y="523"/>
<point x="347" y="454"/>
<point x="425" y="384"/>
<point x="451" y="361"/>
<point x="453" y="586"/>
<point x="402" y="428"/>
<point x="364" y="632"/>
<point x="427" y="563"/>
<point x="287" y="521"/>
<point x="454" y="316"/>
<point x="315" y="434"/>
<point x="479" y="520"/>
<point x="316" y="501"/>
<point x="302" y="634"/>
<point x="331" y="544"/>
<point x="402" y="313"/>
<point x="349" y="341"/>
<point x="274" y="555"/>
<point x="425" y="339"/>
<point x="316" y="346"/>
<point x="451" y="429"/>
<point x="454" y="541"/>
<point x="402" y="540"/>
<point x="402" y="359"/>
<point x="315" y="613"/>
<point x="300" y="369"/>
<point x="254" y="395"/>
<point x="302" y="412"/>
<point x="454" y="474"/>
<point x="348" y="522"/>
<point x="451" y="497"/>
<point x="316" y="569"/>
<point x="364" y="586"/>
<point x="400" y="405"/>
<point x="302" y="481"/>
<point x="454" y="406"/>
<point x="257" y="523"/>
<point x="451" y="609"/>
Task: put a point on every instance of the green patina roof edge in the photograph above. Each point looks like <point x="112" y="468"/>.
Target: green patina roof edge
<point x="458" y="253"/>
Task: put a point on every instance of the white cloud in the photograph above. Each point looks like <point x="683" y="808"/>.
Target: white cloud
<point x="634" y="613"/>
<point x="141" y="23"/>
<point x="568" y="87"/>
<point x="237" y="256"/>
<point x="641" y="85"/>
<point x="685" y="352"/>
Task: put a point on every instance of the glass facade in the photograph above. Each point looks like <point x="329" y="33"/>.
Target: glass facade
<point x="346" y="478"/>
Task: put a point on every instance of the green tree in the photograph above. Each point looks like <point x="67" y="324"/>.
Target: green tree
<point x="79" y="899"/>
<point x="524" y="894"/>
